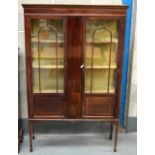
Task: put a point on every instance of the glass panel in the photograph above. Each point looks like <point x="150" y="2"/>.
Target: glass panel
<point x="48" y="85"/>
<point x="99" y="81"/>
<point x="100" y="57"/>
<point x="47" y="40"/>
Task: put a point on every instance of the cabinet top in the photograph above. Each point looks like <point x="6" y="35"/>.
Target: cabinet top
<point x="75" y="10"/>
<point x="73" y="6"/>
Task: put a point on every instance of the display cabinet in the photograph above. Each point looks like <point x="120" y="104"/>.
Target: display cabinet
<point x="74" y="56"/>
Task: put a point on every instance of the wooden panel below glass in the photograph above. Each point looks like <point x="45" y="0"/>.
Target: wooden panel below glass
<point x="98" y="105"/>
<point x="48" y="105"/>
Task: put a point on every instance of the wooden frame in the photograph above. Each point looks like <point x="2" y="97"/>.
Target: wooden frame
<point x="72" y="103"/>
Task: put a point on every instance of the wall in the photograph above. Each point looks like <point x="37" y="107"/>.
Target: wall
<point x="133" y="91"/>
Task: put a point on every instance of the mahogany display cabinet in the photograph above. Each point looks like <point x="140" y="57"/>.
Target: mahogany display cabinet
<point x="74" y="56"/>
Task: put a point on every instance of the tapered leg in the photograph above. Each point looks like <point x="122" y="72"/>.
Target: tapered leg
<point x="33" y="132"/>
<point x="111" y="131"/>
<point x="116" y="137"/>
<point x="30" y="135"/>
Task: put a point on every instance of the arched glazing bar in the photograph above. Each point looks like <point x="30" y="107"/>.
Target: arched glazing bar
<point x="52" y="28"/>
<point x="92" y="55"/>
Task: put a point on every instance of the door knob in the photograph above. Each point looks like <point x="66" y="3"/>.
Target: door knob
<point x="82" y="66"/>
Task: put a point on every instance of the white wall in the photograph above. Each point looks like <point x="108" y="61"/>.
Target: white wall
<point x="133" y="91"/>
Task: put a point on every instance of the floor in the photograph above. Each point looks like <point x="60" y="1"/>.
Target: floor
<point x="79" y="144"/>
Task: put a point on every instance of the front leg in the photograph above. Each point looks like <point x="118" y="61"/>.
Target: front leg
<point x="33" y="133"/>
<point x="116" y="138"/>
<point x="30" y="136"/>
<point x="111" y="131"/>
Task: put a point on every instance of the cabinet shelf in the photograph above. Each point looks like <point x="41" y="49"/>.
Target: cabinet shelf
<point x="101" y="67"/>
<point x="35" y="40"/>
<point x="35" y="35"/>
<point x="45" y="57"/>
<point x="111" y="90"/>
<point x="48" y="91"/>
<point x="48" y="67"/>
<point x="105" y="41"/>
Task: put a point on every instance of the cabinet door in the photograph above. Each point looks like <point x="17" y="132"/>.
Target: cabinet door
<point x="100" y="65"/>
<point x="47" y="52"/>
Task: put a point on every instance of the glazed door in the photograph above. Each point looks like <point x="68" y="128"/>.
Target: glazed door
<point x="48" y="71"/>
<point x="100" y="67"/>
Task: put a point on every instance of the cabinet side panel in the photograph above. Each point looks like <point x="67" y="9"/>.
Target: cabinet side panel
<point x="28" y="63"/>
<point x="122" y="26"/>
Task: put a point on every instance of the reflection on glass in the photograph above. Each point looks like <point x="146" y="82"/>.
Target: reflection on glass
<point x="47" y="40"/>
<point x="100" y="56"/>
